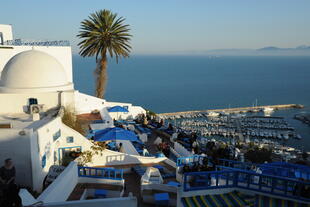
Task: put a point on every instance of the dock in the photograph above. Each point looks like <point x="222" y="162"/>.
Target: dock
<point x="235" y="110"/>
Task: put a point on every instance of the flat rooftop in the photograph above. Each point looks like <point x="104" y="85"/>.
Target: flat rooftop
<point x="22" y="121"/>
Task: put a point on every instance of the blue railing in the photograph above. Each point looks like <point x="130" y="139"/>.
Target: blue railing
<point x="103" y="173"/>
<point x="273" y="185"/>
<point x="287" y="169"/>
<point x="21" y="42"/>
<point x="181" y="161"/>
<point x="295" y="171"/>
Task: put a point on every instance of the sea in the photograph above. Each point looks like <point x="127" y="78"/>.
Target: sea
<point x="182" y="83"/>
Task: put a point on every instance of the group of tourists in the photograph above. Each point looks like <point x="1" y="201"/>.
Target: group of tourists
<point x="204" y="164"/>
<point x="164" y="148"/>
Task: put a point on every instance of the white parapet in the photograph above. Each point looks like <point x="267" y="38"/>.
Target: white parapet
<point x="108" y="157"/>
<point x="62" y="187"/>
<point x="5" y="33"/>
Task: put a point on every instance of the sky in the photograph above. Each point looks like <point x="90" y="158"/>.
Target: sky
<point x="169" y="26"/>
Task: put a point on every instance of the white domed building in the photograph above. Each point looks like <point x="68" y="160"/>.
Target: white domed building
<point x="35" y="83"/>
<point x="34" y="71"/>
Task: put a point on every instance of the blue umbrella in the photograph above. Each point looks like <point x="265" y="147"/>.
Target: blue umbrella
<point x="115" y="133"/>
<point x="117" y="109"/>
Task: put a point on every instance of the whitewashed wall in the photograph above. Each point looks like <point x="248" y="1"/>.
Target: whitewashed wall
<point x="107" y="118"/>
<point x="27" y="198"/>
<point x="79" y="139"/>
<point x="47" y="146"/>
<point x="62" y="54"/>
<point x="17" y="147"/>
<point x="61" y="188"/>
<point x="85" y="103"/>
<point x="17" y="103"/>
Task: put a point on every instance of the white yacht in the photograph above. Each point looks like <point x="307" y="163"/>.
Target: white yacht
<point x="268" y="110"/>
<point x="213" y="114"/>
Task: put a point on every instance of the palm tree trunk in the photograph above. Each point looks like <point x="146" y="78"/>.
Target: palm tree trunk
<point x="101" y="76"/>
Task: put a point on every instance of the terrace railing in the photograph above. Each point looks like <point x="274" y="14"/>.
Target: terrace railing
<point x="21" y="42"/>
<point x="102" y="173"/>
<point x="294" y="171"/>
<point x="227" y="178"/>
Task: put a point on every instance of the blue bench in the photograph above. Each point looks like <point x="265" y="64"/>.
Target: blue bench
<point x="161" y="199"/>
<point x="100" y="193"/>
<point x="172" y="183"/>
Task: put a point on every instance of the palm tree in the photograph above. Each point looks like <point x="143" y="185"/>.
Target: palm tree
<point x="103" y="34"/>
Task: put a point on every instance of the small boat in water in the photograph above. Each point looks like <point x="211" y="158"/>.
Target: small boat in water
<point x="213" y="114"/>
<point x="298" y="136"/>
<point x="268" y="110"/>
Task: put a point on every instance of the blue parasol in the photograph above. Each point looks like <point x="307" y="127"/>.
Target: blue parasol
<point x="117" y="109"/>
<point x="115" y="133"/>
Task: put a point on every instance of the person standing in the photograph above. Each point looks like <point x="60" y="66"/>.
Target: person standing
<point x="9" y="190"/>
<point x="121" y="148"/>
<point x="7" y="172"/>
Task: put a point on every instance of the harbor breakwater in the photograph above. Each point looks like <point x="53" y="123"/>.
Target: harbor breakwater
<point x="234" y="110"/>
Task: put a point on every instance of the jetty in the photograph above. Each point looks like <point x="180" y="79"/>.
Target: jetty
<point x="235" y="110"/>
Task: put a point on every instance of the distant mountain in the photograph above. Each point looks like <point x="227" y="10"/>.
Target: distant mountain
<point x="302" y="50"/>
<point x="272" y="48"/>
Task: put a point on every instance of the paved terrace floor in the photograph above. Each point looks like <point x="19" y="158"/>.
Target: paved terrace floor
<point x="80" y="187"/>
<point x="132" y="184"/>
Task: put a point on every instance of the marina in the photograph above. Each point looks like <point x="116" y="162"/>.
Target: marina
<point x="278" y="129"/>
<point x="235" y="127"/>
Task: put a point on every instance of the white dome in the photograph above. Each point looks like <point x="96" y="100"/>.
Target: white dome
<point x="33" y="71"/>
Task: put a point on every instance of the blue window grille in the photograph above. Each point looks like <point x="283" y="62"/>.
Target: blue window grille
<point x="57" y="135"/>
<point x="43" y="162"/>
<point x="70" y="139"/>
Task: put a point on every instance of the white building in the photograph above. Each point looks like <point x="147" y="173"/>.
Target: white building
<point x="35" y="82"/>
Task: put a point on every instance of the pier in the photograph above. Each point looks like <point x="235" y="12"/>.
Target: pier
<point x="235" y="110"/>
